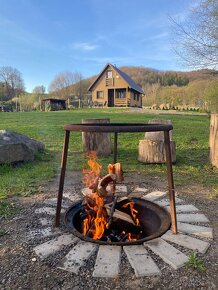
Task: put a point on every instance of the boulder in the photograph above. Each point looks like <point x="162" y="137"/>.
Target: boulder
<point x="15" y="147"/>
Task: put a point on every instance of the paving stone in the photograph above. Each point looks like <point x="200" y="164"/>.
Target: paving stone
<point x="108" y="260"/>
<point x="140" y="190"/>
<point x="47" y="210"/>
<point x="42" y="233"/>
<point x="168" y="253"/>
<point x="154" y="195"/>
<point x="166" y="202"/>
<point x="139" y="259"/>
<point x="77" y="257"/>
<point x="192" y="218"/>
<point x="55" y="245"/>
<point x="121" y="189"/>
<point x="53" y="202"/>
<point x="184" y="208"/>
<point x="45" y="222"/>
<point x="200" y="231"/>
<point x="186" y="241"/>
<point x="72" y="196"/>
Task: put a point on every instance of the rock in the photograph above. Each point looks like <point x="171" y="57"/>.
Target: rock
<point x="15" y="147"/>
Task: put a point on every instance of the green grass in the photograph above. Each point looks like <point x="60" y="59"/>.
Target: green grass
<point x="191" y="134"/>
<point x="195" y="263"/>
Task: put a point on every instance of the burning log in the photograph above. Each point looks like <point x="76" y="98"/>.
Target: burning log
<point x="101" y="190"/>
<point x="119" y="214"/>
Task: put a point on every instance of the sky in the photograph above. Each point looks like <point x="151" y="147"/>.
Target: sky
<point x="42" y="38"/>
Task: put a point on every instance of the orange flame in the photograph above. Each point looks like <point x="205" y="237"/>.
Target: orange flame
<point x="96" y="222"/>
<point x="133" y="211"/>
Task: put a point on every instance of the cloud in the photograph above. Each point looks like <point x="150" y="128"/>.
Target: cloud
<point x="85" y="46"/>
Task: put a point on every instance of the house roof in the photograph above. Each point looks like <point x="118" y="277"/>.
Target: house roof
<point x="127" y="78"/>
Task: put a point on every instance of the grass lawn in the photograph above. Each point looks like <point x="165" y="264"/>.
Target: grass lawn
<point x="191" y="134"/>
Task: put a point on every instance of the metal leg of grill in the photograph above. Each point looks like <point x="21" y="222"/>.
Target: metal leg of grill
<point x="62" y="176"/>
<point x="115" y="147"/>
<point x="170" y="181"/>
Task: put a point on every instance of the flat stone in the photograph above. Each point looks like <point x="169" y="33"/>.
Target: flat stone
<point x="196" y="230"/>
<point x="55" y="245"/>
<point x="121" y="189"/>
<point x="168" y="253"/>
<point x="139" y="259"/>
<point x="72" y="196"/>
<point x="140" y="190"/>
<point x="186" y="241"/>
<point x="166" y="202"/>
<point x="108" y="260"/>
<point x="192" y="218"/>
<point x="154" y="195"/>
<point x="47" y="210"/>
<point x="45" y="222"/>
<point x="77" y="257"/>
<point x="53" y="202"/>
<point x="184" y="208"/>
<point x="42" y="233"/>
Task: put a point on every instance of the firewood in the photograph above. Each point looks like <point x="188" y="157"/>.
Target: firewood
<point x="104" y="183"/>
<point x="120" y="215"/>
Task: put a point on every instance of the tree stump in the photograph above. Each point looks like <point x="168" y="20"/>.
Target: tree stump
<point x="152" y="149"/>
<point x="99" y="142"/>
<point x="213" y="141"/>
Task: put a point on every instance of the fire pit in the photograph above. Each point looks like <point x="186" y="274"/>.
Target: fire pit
<point x="102" y="217"/>
<point x="154" y="222"/>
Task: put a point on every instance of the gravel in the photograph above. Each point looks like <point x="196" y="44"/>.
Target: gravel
<point x="20" y="268"/>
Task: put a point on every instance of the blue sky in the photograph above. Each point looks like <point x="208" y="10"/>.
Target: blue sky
<point x="42" y="38"/>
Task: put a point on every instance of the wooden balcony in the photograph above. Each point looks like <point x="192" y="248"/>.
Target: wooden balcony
<point x="109" y="82"/>
<point x="120" y="102"/>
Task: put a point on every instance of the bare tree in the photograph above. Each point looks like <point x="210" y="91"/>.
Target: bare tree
<point x="62" y="84"/>
<point x="39" y="91"/>
<point x="12" y="81"/>
<point x="196" y="38"/>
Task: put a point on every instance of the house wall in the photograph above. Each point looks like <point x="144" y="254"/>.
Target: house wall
<point x="135" y="101"/>
<point x="118" y="83"/>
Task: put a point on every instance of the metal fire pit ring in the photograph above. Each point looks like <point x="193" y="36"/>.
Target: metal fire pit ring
<point x="119" y="128"/>
<point x="154" y="220"/>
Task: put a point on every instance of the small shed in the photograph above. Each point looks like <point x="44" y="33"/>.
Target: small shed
<point x="52" y="104"/>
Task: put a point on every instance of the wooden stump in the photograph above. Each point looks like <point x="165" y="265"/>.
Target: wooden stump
<point x="99" y="142"/>
<point x="152" y="149"/>
<point x="213" y="141"/>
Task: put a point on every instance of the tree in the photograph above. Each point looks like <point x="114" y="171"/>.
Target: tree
<point x="62" y="85"/>
<point x="12" y="82"/>
<point x="39" y="91"/>
<point x="196" y="39"/>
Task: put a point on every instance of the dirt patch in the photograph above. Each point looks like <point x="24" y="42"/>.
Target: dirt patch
<point x="21" y="269"/>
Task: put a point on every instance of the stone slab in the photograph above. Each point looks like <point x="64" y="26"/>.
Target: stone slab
<point x="77" y="257"/>
<point x="42" y="233"/>
<point x="72" y="196"/>
<point x="166" y="202"/>
<point x="154" y="195"/>
<point x="168" y="253"/>
<point x="186" y="241"/>
<point x="45" y="222"/>
<point x="184" y="208"/>
<point x="47" y="210"/>
<point x="53" y="202"/>
<point x="200" y="231"/>
<point x="121" y="189"/>
<point x="108" y="260"/>
<point x="192" y="218"/>
<point x="140" y="261"/>
<point x="55" y="245"/>
<point x="140" y="190"/>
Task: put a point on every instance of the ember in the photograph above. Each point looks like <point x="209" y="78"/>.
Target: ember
<point x="99" y="215"/>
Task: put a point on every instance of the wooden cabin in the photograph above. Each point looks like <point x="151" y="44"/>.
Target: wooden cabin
<point x="114" y="88"/>
<point x="53" y="104"/>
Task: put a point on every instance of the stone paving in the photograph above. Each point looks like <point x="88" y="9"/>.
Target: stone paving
<point x="194" y="234"/>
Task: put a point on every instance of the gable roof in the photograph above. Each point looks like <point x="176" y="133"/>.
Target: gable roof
<point x="127" y="78"/>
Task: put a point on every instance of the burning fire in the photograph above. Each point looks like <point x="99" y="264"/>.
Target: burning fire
<point x="98" y="216"/>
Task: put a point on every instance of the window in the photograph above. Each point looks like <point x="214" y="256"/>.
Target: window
<point x="100" y="95"/>
<point x="120" y="93"/>
<point x="109" y="74"/>
<point x="136" y="96"/>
